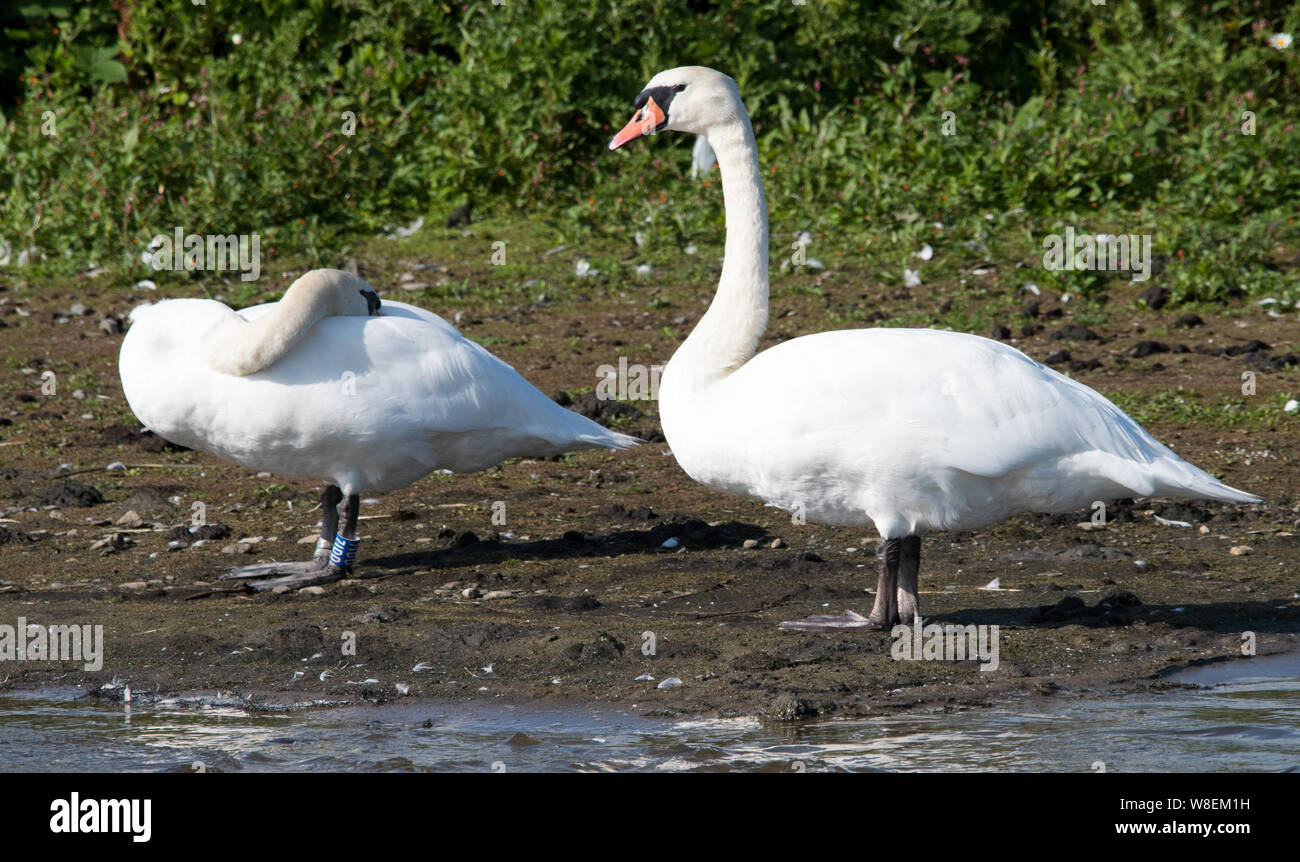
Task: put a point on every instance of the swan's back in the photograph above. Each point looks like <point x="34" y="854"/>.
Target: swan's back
<point x="374" y="401"/>
<point x="921" y="429"/>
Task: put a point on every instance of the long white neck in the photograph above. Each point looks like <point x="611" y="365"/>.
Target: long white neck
<point x="727" y="335"/>
<point x="241" y="347"/>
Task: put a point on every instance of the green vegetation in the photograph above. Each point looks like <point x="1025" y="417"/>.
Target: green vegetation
<point x="1187" y="407"/>
<point x="234" y="118"/>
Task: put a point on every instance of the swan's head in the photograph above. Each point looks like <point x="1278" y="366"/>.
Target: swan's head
<point x="691" y="99"/>
<point x="336" y="291"/>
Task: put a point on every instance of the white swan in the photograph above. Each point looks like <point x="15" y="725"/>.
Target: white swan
<point x="911" y="430"/>
<point x="325" y="384"/>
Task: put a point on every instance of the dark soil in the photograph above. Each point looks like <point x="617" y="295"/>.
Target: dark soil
<point x="614" y="565"/>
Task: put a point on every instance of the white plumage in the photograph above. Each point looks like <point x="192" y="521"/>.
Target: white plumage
<point x="915" y="430"/>
<point x="370" y="404"/>
<point x="363" y="403"/>
<point x="912" y="430"/>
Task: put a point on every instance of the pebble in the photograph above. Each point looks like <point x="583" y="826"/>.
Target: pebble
<point x="313" y="591"/>
<point x="1089" y="526"/>
<point x="237" y="549"/>
<point x="131" y="519"/>
<point x="671" y="543"/>
<point x="498" y="594"/>
<point x="671" y="682"/>
<point x="1241" y="550"/>
<point x="470" y="593"/>
<point x="751" y="543"/>
<point x="777" y="543"/>
<point x="135" y="585"/>
<point x="116" y="466"/>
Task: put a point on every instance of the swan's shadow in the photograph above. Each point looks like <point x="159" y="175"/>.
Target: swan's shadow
<point x="1219" y="617"/>
<point x="693" y="534"/>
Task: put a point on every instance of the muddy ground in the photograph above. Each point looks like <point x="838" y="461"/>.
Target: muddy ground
<point x="560" y="600"/>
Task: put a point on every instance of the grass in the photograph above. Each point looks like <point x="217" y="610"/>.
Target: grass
<point x="1188" y="407"/>
<point x="1124" y="118"/>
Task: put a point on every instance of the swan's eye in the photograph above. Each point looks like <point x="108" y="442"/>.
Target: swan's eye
<point x="679" y="88"/>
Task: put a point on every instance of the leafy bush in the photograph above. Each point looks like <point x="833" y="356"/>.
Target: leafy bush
<point x="231" y="118"/>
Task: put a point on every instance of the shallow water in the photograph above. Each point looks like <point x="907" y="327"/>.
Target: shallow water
<point x="1246" y="717"/>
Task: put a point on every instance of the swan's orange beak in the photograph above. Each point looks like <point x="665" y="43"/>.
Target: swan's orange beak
<point x="643" y="122"/>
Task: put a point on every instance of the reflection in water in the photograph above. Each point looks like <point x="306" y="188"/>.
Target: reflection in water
<point x="1247" y="718"/>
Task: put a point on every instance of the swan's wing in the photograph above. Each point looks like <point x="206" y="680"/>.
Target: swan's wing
<point x="951" y="401"/>
<point x="418" y="371"/>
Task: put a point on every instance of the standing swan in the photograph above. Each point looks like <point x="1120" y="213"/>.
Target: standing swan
<point x="323" y="385"/>
<point x="912" y="430"/>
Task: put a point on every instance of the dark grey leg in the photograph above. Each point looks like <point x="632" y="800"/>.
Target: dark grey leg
<point x="319" y="570"/>
<point x="888" y="595"/>
<point x="329" y="522"/>
<point x="909" y="567"/>
<point x="885" y="613"/>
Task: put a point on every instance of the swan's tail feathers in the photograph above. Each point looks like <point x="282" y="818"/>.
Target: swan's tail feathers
<point x="1166" y="475"/>
<point x="610" y="440"/>
<point x="1177" y="478"/>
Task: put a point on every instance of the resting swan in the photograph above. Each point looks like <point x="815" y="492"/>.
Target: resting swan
<point x="911" y="430"/>
<point x="328" y="384"/>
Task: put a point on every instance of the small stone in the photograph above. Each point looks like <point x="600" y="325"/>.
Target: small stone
<point x="313" y="591"/>
<point x="1089" y="526"/>
<point x="1204" y="530"/>
<point x="751" y="543"/>
<point x="115" y="467"/>
<point x="79" y="394"/>
<point x="131" y="520"/>
<point x="135" y="585"/>
<point x="237" y="549"/>
<point x="308" y="540"/>
<point x="1241" y="550"/>
<point x="470" y="593"/>
<point x="498" y="594"/>
<point x="281" y="590"/>
<point x="777" y="543"/>
<point x="1155" y="297"/>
